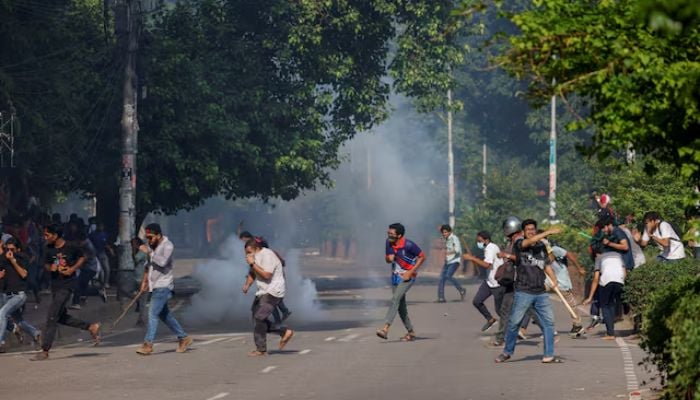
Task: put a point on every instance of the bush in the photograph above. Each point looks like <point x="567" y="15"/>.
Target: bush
<point x="684" y="370"/>
<point x="671" y="334"/>
<point x="654" y="276"/>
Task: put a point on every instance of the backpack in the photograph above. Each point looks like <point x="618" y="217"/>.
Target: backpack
<point x="505" y="275"/>
<point x="675" y="230"/>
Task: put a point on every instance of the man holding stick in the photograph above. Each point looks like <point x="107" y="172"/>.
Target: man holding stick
<point x="158" y="279"/>
<point x="531" y="268"/>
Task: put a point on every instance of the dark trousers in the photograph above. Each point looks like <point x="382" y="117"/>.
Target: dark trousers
<point x="281" y="308"/>
<point x="610" y="297"/>
<point x="84" y="288"/>
<point x="504" y="304"/>
<point x="59" y="315"/>
<point x="482" y="294"/>
<point x="262" y="308"/>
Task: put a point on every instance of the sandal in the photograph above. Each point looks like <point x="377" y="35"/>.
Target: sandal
<point x="503" y="357"/>
<point x="552" y="360"/>
<point x="409" y="337"/>
<point x="382" y="333"/>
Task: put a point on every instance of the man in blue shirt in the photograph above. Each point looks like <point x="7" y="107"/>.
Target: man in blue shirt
<point x="405" y="258"/>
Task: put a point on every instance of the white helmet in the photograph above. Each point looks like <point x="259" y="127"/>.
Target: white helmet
<point x="511" y="225"/>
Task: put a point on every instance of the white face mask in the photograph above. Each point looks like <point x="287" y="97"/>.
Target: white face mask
<point x="480" y="245"/>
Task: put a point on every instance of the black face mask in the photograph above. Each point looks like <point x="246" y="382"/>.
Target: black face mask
<point x="392" y="238"/>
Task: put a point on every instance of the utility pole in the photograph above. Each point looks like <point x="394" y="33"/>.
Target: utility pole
<point x="127" y="10"/>
<point x="483" y="170"/>
<point x="553" y="161"/>
<point x="450" y="163"/>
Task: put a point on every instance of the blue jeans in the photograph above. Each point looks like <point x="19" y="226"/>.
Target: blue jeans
<point x="159" y="310"/>
<point x="12" y="306"/>
<point x="543" y="308"/>
<point x="447" y="271"/>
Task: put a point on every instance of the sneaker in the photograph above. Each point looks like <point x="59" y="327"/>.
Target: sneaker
<point x="488" y="324"/>
<point x="184" y="344"/>
<point x="595" y="321"/>
<point x="441" y="301"/>
<point x="145" y="349"/>
<point x="40" y="356"/>
<point x="577" y="330"/>
<point x="74" y="307"/>
<point x="462" y="294"/>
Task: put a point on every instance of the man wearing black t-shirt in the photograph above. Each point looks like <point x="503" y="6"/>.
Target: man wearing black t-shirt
<point x="63" y="262"/>
<point x="13" y="275"/>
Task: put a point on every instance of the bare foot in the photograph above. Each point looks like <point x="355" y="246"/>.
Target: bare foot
<point x="256" y="353"/>
<point x="608" y="337"/>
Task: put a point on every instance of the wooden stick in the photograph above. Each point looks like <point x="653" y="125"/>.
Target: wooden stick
<point x="131" y="303"/>
<point x="566" y="303"/>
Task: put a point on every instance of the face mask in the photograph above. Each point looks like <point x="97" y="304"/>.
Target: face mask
<point x="480" y="245"/>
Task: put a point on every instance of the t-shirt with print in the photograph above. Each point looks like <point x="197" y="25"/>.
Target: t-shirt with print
<point x="12" y="282"/>
<point x="674" y="250"/>
<point x="529" y="268"/>
<point x="611" y="268"/>
<point x="65" y="256"/>
<point x="491" y="256"/>
<point x="268" y="261"/>
<point x="406" y="254"/>
<point x="561" y="270"/>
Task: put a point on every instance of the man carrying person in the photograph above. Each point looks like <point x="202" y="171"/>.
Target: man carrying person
<point x="609" y="273"/>
<point x="531" y="268"/>
<point x="159" y="280"/>
<point x="266" y="272"/>
<point x="63" y="260"/>
<point x="453" y="258"/>
<point x="405" y="258"/>
<point x="489" y="286"/>
<point x="663" y="234"/>
<point x="13" y="286"/>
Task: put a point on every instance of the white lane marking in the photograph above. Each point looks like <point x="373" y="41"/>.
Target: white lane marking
<point x="329" y="339"/>
<point x="348" y="337"/>
<point x="306" y="351"/>
<point x="268" y="369"/>
<point x="219" y="396"/>
<point x="211" y="341"/>
<point x="233" y="339"/>
<point x="630" y="375"/>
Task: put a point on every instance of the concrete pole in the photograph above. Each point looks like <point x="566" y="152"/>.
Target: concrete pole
<point x="130" y="127"/>
<point x="483" y="171"/>
<point x="553" y="161"/>
<point x="450" y="163"/>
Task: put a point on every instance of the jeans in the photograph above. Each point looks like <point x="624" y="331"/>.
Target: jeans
<point x="262" y="307"/>
<point x="159" y="310"/>
<point x="59" y="315"/>
<point x="398" y="304"/>
<point x="447" y="271"/>
<point x="610" y="298"/>
<point x="12" y="307"/>
<point x="543" y="308"/>
<point x="482" y="294"/>
<point x="104" y="263"/>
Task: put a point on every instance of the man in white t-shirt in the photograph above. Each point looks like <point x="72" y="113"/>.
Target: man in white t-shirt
<point x="266" y="272"/>
<point x="489" y="286"/>
<point x="663" y="234"/>
<point x="608" y="278"/>
<point x="453" y="257"/>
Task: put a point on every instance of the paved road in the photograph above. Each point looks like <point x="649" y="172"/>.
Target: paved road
<point x="335" y="356"/>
